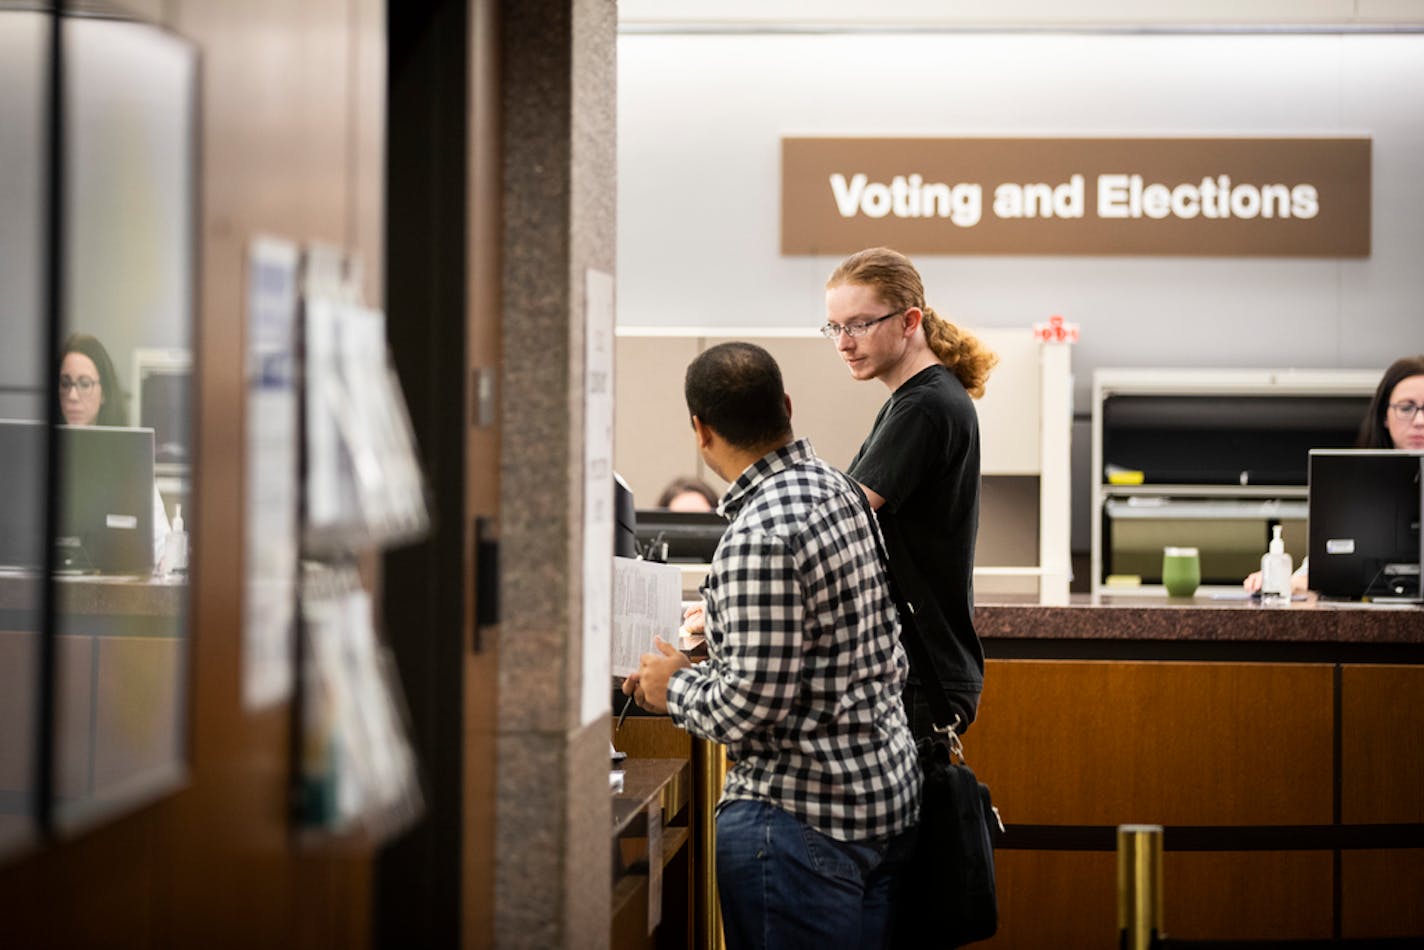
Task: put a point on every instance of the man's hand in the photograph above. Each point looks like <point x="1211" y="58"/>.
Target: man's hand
<point x="648" y="686"/>
<point x="694" y="620"/>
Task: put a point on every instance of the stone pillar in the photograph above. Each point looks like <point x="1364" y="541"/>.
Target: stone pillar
<point x="552" y="886"/>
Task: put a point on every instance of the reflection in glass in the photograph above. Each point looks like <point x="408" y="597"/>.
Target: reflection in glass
<point x="24" y="390"/>
<point x="120" y="613"/>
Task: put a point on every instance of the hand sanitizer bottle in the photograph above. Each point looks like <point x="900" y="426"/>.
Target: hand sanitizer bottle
<point x="175" y="552"/>
<point x="1276" y="570"/>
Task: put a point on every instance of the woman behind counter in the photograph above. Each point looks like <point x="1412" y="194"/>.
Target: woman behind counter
<point x="90" y="395"/>
<point x="688" y="494"/>
<point x="1395" y="420"/>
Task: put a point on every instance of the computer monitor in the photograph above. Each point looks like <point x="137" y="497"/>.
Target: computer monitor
<point x="625" y="543"/>
<point x="106" y="501"/>
<point x="691" y="536"/>
<point x="23" y="456"/>
<point x="1363" y="522"/>
<point x="163" y="380"/>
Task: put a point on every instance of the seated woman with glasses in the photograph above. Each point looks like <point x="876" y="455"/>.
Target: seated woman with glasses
<point x="1395" y="420"/>
<point x="90" y="395"/>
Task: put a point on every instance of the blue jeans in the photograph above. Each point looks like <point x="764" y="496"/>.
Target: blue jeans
<point x="784" y="885"/>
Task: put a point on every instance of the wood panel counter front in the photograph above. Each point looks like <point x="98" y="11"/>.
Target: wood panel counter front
<point x="121" y="650"/>
<point x="1281" y="747"/>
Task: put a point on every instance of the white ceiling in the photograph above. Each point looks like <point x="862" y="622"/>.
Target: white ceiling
<point x="890" y="15"/>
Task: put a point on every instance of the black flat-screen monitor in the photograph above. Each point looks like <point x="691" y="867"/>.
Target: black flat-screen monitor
<point x="691" y="536"/>
<point x="163" y="400"/>
<point x="625" y="543"/>
<point x="106" y="502"/>
<point x="1364" y="523"/>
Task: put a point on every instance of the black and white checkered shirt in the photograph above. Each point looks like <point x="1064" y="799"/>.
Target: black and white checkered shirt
<point x="804" y="666"/>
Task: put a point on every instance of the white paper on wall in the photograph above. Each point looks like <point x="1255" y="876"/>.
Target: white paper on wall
<point x="597" y="492"/>
<point x="270" y="574"/>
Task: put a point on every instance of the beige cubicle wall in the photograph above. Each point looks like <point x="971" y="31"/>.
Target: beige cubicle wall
<point x="1024" y="419"/>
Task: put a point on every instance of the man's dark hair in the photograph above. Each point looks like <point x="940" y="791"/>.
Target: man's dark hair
<point x="736" y="389"/>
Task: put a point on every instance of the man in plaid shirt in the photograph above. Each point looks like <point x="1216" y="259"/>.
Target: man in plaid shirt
<point x="802" y="680"/>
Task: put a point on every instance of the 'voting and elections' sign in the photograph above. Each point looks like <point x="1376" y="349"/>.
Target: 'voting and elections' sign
<point x="1264" y="197"/>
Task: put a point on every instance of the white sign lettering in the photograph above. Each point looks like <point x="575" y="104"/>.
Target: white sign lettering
<point x="1119" y="196"/>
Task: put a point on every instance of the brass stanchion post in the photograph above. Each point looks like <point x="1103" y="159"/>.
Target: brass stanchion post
<point x="1139" y="886"/>
<point x="709" y="761"/>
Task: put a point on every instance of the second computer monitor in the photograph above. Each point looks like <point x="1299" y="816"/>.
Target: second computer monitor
<point x="691" y="536"/>
<point x="1364" y="523"/>
<point x="163" y="381"/>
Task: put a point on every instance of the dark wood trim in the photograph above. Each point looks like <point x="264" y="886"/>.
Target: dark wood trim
<point x="1210" y="651"/>
<point x="1337" y="775"/>
<point x="419" y="877"/>
<point x="45" y="759"/>
<point x="1218" y="837"/>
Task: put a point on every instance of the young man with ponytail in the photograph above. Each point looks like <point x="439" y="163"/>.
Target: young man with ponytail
<point x="919" y="466"/>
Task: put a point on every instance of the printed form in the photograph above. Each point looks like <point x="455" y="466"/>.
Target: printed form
<point x="647" y="602"/>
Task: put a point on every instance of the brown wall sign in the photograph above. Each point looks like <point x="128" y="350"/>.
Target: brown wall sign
<point x="1228" y="197"/>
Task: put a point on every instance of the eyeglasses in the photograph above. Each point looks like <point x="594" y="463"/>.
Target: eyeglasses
<point x="85" y="384"/>
<point x="832" y="331"/>
<point x="1406" y="410"/>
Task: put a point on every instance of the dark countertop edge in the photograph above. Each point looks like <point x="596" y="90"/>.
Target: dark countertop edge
<point x="1306" y="622"/>
<point x="98" y="595"/>
<point x="644" y="780"/>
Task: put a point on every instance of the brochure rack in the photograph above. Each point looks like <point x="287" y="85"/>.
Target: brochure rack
<point x="360" y="490"/>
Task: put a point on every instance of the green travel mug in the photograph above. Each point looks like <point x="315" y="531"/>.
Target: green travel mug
<point x="1181" y="571"/>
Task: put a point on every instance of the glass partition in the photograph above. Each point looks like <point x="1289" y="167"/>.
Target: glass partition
<point x="123" y="385"/>
<point x="25" y="97"/>
<point x="97" y="198"/>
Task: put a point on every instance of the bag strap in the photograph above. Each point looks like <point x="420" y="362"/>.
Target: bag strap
<point x="946" y="720"/>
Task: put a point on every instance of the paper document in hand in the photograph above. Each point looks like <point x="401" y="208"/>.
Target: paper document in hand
<point x="647" y="602"/>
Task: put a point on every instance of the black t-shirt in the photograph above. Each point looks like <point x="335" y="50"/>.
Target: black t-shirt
<point x="922" y="457"/>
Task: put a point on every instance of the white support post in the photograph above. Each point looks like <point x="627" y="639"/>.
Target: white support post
<point x="1055" y="513"/>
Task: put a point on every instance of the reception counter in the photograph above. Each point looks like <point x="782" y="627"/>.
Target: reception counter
<point x="1282" y="748"/>
<point x="120" y="690"/>
<point x="1119" y="618"/>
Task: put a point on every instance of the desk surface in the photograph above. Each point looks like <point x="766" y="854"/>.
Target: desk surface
<point x="645" y="780"/>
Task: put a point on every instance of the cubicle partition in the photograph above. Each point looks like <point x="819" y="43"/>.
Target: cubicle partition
<point x="1024" y="418"/>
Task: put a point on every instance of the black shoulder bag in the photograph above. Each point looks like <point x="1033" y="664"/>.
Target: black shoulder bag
<point x="945" y="896"/>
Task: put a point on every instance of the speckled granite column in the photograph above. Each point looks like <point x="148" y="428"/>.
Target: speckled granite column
<point x="552" y="838"/>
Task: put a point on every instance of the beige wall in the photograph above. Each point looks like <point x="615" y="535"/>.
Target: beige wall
<point x="654" y="443"/>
